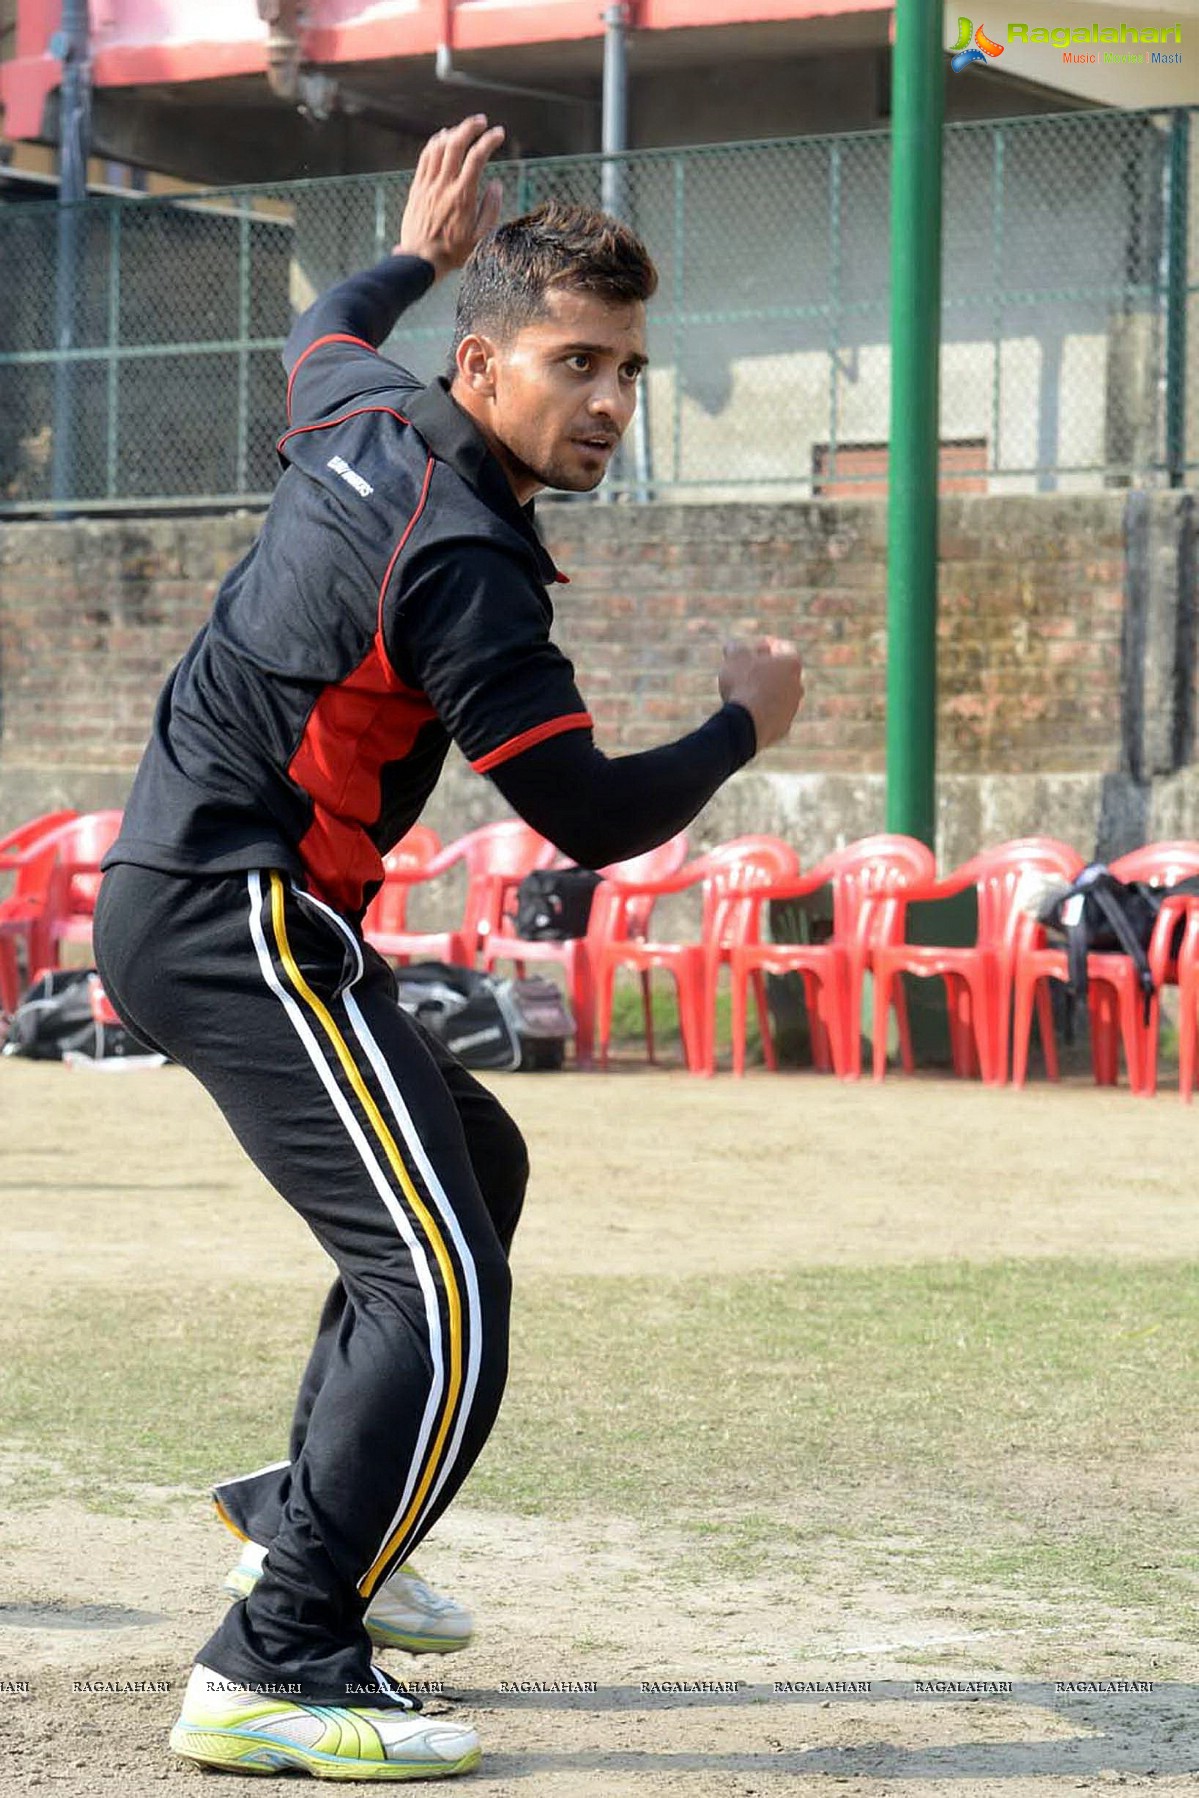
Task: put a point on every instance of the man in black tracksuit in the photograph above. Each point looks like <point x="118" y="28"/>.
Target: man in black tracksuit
<point x="395" y="600"/>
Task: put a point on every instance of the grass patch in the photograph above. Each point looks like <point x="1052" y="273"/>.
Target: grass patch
<point x="945" y="1370"/>
<point x="124" y="1387"/>
<point x="988" y="1427"/>
<point x="1013" y="1425"/>
<point x="628" y="1019"/>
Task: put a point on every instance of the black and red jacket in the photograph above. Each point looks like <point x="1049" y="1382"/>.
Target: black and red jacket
<point x="396" y="598"/>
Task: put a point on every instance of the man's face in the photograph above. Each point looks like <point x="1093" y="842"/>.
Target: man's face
<point x="561" y="392"/>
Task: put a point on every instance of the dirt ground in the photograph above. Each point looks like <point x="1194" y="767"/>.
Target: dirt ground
<point x="633" y="1173"/>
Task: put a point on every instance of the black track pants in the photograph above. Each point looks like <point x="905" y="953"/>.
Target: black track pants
<point x="409" y="1174"/>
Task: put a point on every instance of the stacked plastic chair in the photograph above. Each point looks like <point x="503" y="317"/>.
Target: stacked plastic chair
<point x="496" y="857"/>
<point x="730" y="877"/>
<point x="577" y="955"/>
<point x="870" y="880"/>
<point x="978" y="979"/>
<point x="55" y="864"/>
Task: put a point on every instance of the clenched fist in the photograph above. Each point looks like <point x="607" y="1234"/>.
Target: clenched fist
<point x="766" y="677"/>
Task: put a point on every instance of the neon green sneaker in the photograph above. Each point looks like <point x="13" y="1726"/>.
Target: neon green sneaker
<point x="405" y="1612"/>
<point x="225" y="1725"/>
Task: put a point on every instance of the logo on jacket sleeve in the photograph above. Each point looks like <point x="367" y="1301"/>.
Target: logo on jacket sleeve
<point x="350" y="476"/>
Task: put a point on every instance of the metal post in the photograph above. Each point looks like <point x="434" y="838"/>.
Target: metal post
<point x="615" y="128"/>
<point x="380" y="222"/>
<point x="244" y="281"/>
<point x="679" y="296"/>
<point x="998" y="147"/>
<point x="613" y="137"/>
<point x="113" y="436"/>
<point x="917" y="110"/>
<point x="1176" y="300"/>
<point x="834" y="308"/>
<point x="71" y="45"/>
<point x="614" y="196"/>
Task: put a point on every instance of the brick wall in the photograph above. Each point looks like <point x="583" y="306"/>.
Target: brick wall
<point x="91" y="618"/>
<point x="1035" y="649"/>
<point x="1032" y="601"/>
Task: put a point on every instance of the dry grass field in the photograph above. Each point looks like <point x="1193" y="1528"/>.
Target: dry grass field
<point x="850" y="1442"/>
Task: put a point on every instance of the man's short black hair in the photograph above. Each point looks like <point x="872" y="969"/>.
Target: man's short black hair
<point x="509" y="273"/>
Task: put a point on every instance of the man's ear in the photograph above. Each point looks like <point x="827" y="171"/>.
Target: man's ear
<point x="475" y="359"/>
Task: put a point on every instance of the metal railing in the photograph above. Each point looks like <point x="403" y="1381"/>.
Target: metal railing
<point x="1070" y="324"/>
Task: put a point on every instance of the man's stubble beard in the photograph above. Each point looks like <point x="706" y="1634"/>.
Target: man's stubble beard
<point x="581" y="484"/>
<point x="551" y="476"/>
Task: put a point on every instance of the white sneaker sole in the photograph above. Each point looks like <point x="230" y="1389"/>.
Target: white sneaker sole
<point x="241" y="1751"/>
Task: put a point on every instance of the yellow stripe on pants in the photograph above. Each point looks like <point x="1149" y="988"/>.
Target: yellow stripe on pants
<point x="378" y="1123"/>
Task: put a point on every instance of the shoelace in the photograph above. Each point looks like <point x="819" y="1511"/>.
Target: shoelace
<point x="432" y="1601"/>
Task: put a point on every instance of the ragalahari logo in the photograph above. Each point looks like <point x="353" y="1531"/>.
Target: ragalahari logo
<point x="966" y="52"/>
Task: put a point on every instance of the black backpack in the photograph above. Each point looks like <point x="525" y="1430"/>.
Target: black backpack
<point x="555" y="904"/>
<point x="1100" y="913"/>
<point x="488" y="1023"/>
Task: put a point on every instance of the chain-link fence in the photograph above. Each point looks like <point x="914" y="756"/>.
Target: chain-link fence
<point x="139" y="340"/>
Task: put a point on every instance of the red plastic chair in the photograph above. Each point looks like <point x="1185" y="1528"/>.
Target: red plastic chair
<point x="14" y="846"/>
<point x="576" y="954"/>
<point x="497" y="857"/>
<point x="1118" y="1015"/>
<point x="1188" y="993"/>
<point x="22" y="908"/>
<point x="57" y="877"/>
<point x="403" y="866"/>
<point x="74" y="880"/>
<point x="10" y="973"/>
<point x="1161" y="864"/>
<point x="978" y="980"/>
<point x="870" y="880"/>
<point x="618" y="936"/>
<point x="20" y="916"/>
<point x="733" y="920"/>
<point x="730" y="875"/>
<point x="102" y="1009"/>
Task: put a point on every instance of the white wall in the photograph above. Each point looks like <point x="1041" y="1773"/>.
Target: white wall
<point x="1044" y="296"/>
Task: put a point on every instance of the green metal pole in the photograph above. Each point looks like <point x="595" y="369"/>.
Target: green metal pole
<point x="917" y="111"/>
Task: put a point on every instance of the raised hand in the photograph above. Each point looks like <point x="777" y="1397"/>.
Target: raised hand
<point x="446" y="213"/>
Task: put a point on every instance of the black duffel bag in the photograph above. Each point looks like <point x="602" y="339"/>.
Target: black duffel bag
<point x="554" y="904"/>
<point x="1100" y="914"/>
<point x="486" y="1021"/>
<point x="55" y="1021"/>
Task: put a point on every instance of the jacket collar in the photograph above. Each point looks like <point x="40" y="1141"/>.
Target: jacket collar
<point x="454" y="439"/>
